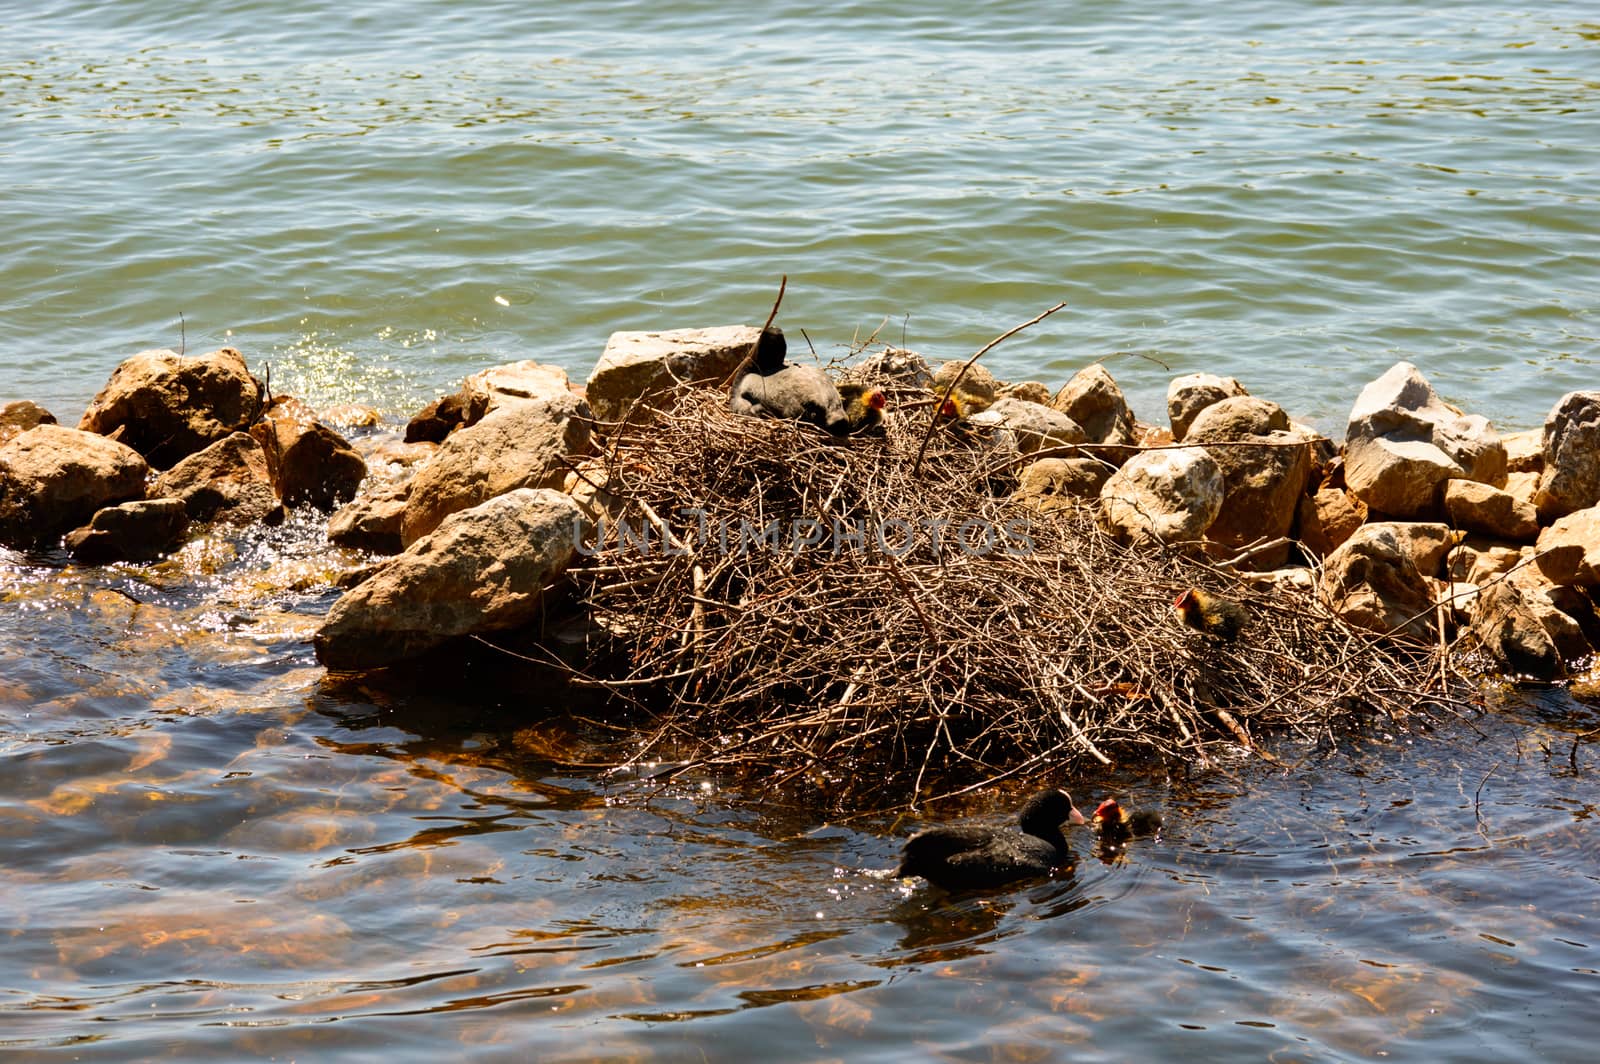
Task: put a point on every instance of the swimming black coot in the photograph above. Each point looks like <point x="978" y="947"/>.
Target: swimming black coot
<point x="968" y="857"/>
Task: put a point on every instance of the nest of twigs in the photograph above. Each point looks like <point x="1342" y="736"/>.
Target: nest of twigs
<point x="820" y="610"/>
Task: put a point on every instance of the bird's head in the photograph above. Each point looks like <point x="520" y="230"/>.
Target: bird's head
<point x="950" y="409"/>
<point x="1108" y="812"/>
<point x="876" y="400"/>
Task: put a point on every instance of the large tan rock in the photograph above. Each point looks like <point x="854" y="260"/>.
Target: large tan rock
<point x="443" y="416"/>
<point x="53" y="479"/>
<point x="1093" y="400"/>
<point x="643" y="366"/>
<point x="482" y="570"/>
<point x="1569" y="550"/>
<point x="20" y="416"/>
<point x="137" y="531"/>
<point x="1262" y="485"/>
<point x="1479" y="560"/>
<point x="1489" y="511"/>
<point x="1053" y="483"/>
<point x="1524" y="451"/>
<point x="1169" y="496"/>
<point x="1030" y="391"/>
<point x="372" y="522"/>
<point x="1028" y="426"/>
<point x="1328" y="518"/>
<point x="167" y="406"/>
<point x="514" y="381"/>
<point x="1190" y="394"/>
<point x="309" y="463"/>
<point x="976" y="388"/>
<point x="227" y="481"/>
<point x="1518" y="622"/>
<point x="1373" y="579"/>
<point x="1571" y="477"/>
<point x="1403" y="442"/>
<point x="526" y="444"/>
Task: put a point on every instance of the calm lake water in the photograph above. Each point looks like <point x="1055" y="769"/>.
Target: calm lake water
<point x="210" y="851"/>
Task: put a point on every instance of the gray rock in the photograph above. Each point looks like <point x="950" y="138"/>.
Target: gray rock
<point x="53" y="479"/>
<point x="641" y="367"/>
<point x="1171" y="496"/>
<point x="1031" y="426"/>
<point x="1571" y="477"/>
<point x="1051" y="483"/>
<point x="483" y="569"/>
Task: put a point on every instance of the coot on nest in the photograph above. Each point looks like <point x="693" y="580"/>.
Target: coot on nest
<point x="969" y="857"/>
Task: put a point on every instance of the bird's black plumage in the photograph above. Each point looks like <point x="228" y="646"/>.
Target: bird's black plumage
<point x="968" y="857"/>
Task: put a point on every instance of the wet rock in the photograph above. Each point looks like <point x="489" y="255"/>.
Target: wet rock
<point x="1403" y="442"/>
<point x="1328" y="518"/>
<point x="1489" y="511"/>
<point x="393" y="452"/>
<point x="527" y="444"/>
<point x="1027" y="391"/>
<point x="1170" y="496"/>
<point x="1052" y="483"/>
<point x="20" y="416"/>
<point x="1190" y="394"/>
<point x="138" y="531"/>
<point x="977" y="389"/>
<point x="482" y="570"/>
<point x="899" y="366"/>
<point x="443" y="416"/>
<point x="1093" y="400"/>
<point x="1518" y="622"/>
<point x="1029" y="426"/>
<point x="1262" y="485"/>
<point x="640" y="367"/>
<point x="1571" y="477"/>
<point x="309" y="463"/>
<point x="346" y="416"/>
<point x="1524" y="451"/>
<point x="1373" y="580"/>
<point x="53" y="479"/>
<point x="167" y="406"/>
<point x="227" y="481"/>
<point x="1569" y="550"/>
<point x="371" y="523"/>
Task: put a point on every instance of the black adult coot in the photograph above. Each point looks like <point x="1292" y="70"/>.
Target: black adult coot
<point x="969" y="857"/>
<point x="774" y="388"/>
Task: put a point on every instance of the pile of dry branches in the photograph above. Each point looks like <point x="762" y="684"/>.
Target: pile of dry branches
<point x="818" y="610"/>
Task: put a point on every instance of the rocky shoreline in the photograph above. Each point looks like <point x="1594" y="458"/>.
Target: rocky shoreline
<point x="1423" y="522"/>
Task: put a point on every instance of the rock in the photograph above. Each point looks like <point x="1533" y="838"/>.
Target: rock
<point x="643" y="366"/>
<point x="137" y="531"/>
<point x="53" y="479"/>
<point x="1030" y="426"/>
<point x="1403" y="442"/>
<point x="1051" y="483"/>
<point x="227" y="481"/>
<point x="1489" y="511"/>
<point x="1293" y="578"/>
<point x="1524" y="451"/>
<point x="1151" y="435"/>
<point x="1028" y="391"/>
<point x="393" y="452"/>
<point x="167" y="406"/>
<point x="1262" y="486"/>
<point x="977" y="388"/>
<point x="1373" y="580"/>
<point x="899" y="366"/>
<point x="347" y="416"/>
<point x="1093" y="400"/>
<point x="1523" y="630"/>
<point x="1328" y="518"/>
<point x="592" y="490"/>
<point x="521" y="445"/>
<point x="371" y="523"/>
<point x="308" y="461"/>
<point x="20" y="416"/>
<point x="1170" y="496"/>
<point x="1188" y="395"/>
<point x="443" y="416"/>
<point x="1569" y="550"/>
<point x="1478" y="560"/>
<point x="1571" y="477"/>
<point x="515" y="381"/>
<point x="482" y="570"/>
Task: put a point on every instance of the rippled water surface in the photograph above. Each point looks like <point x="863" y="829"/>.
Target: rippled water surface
<point x="208" y="850"/>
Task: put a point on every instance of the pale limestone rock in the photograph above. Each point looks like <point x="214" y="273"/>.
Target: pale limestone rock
<point x="371" y="523"/>
<point x="22" y="415"/>
<point x="642" y="367"/>
<point x="1524" y="451"/>
<point x="1028" y="391"/>
<point x="482" y="570"/>
<point x="977" y="387"/>
<point x="1569" y="550"/>
<point x="1190" y="394"/>
<point x="1263" y="484"/>
<point x="1051" y="483"/>
<point x="1093" y="400"/>
<point x="1327" y="518"/>
<point x="1373" y="579"/>
<point x="1171" y="496"/>
<point x="1489" y="511"/>
<point x="1030" y="426"/>
<point x="1571" y="477"/>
